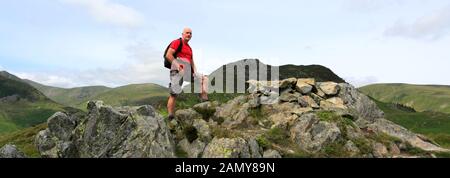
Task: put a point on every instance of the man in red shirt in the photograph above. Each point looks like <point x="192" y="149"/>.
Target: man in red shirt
<point x="182" y="63"/>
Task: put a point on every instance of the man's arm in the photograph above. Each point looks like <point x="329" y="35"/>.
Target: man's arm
<point x="171" y="58"/>
<point x="170" y="55"/>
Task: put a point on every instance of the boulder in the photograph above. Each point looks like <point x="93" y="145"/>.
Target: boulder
<point x="271" y="154"/>
<point x="329" y="88"/>
<point x="332" y="103"/>
<point x="303" y="88"/>
<point x="227" y="148"/>
<point x="109" y="132"/>
<point x="11" y="151"/>
<point x="309" y="81"/>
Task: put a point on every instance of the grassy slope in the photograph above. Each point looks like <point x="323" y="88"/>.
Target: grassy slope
<point x="131" y="95"/>
<point x="69" y="97"/>
<point x="23" y="114"/>
<point x="28" y="108"/>
<point x="432" y="124"/>
<point x="420" y="97"/>
<point x="24" y="139"/>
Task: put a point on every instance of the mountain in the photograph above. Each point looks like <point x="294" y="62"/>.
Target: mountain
<point x="420" y="97"/>
<point x="310" y="119"/>
<point x="69" y="97"/>
<point x="132" y="95"/>
<point x="21" y="105"/>
<point x="320" y="73"/>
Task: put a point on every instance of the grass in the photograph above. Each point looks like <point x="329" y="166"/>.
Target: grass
<point x="420" y="97"/>
<point x="132" y="95"/>
<point x="23" y="114"/>
<point x="23" y="139"/>
<point x="434" y="125"/>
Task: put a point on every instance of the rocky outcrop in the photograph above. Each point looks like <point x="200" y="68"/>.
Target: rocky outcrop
<point x="305" y="119"/>
<point x="106" y="132"/>
<point x="11" y="151"/>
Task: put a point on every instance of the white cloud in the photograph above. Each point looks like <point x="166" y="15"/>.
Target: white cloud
<point x="47" y="79"/>
<point x="431" y="27"/>
<point x="110" y="12"/>
<point x="1" y="68"/>
<point x="361" y="81"/>
<point x="145" y="66"/>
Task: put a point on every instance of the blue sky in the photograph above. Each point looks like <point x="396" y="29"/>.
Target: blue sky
<point x="69" y="43"/>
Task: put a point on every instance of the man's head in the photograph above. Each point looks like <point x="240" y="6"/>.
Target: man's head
<point x="187" y="34"/>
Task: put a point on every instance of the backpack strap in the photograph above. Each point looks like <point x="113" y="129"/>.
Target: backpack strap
<point x="180" y="47"/>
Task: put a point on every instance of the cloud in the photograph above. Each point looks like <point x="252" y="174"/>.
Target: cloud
<point x="110" y="12"/>
<point x="361" y="81"/>
<point x="145" y="66"/>
<point x="46" y="78"/>
<point x="1" y="68"/>
<point x="430" y="27"/>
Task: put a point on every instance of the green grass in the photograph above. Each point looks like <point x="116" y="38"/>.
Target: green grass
<point x="23" y="139"/>
<point x="420" y="97"/>
<point x="23" y="114"/>
<point x="69" y="97"/>
<point x="132" y="95"/>
<point x="431" y="124"/>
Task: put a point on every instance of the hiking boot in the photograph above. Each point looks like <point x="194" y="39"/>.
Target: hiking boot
<point x="172" y="122"/>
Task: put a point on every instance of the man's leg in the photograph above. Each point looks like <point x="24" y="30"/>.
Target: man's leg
<point x="204" y="90"/>
<point x="174" y="89"/>
<point x="171" y="106"/>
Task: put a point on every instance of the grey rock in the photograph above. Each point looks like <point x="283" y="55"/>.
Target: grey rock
<point x="187" y="116"/>
<point x="11" y="151"/>
<point x="359" y="103"/>
<point x="194" y="149"/>
<point x="289" y="97"/>
<point x="271" y="154"/>
<point x="379" y="150"/>
<point x="310" y="101"/>
<point x="108" y="132"/>
<point x="288" y="83"/>
<point x="61" y="125"/>
<point x="227" y="148"/>
<point x="394" y="130"/>
<point x="351" y="148"/>
<point x="311" y="134"/>
<point x="203" y="130"/>
<point x="303" y="88"/>
<point x="255" y="150"/>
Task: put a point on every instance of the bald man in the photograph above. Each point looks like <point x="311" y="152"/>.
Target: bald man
<point x="182" y="62"/>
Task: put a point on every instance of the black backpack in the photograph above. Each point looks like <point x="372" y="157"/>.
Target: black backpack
<point x="167" y="64"/>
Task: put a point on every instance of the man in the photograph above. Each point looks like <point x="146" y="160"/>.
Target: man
<point x="182" y="63"/>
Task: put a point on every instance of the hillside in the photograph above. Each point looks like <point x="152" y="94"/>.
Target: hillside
<point x="132" y="95"/>
<point x="69" y="97"/>
<point x="21" y="105"/>
<point x="434" y="125"/>
<point x="320" y="73"/>
<point x="420" y="97"/>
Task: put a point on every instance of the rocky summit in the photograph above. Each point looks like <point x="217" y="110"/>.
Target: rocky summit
<point x="305" y="119"/>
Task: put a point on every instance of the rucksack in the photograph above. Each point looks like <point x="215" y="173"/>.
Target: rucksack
<point x="167" y="64"/>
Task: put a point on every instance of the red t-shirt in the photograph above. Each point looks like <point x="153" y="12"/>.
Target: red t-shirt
<point x="186" y="51"/>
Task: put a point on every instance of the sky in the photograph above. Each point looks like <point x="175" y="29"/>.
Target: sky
<point x="72" y="43"/>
